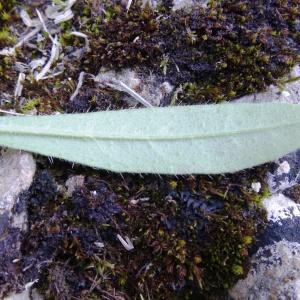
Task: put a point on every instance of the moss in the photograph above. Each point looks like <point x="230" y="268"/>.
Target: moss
<point x="209" y="55"/>
<point x="191" y="235"/>
<point x="7" y="17"/>
<point x="6" y="8"/>
<point x="6" y="38"/>
<point x="31" y="104"/>
<point x="42" y="99"/>
<point x="216" y="54"/>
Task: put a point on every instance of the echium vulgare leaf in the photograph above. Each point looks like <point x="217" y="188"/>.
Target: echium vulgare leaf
<point x="205" y="139"/>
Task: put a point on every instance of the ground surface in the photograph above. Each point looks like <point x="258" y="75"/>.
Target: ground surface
<point x="89" y="234"/>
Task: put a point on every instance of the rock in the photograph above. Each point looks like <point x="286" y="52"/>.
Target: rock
<point x="286" y="174"/>
<point x="275" y="271"/>
<point x="279" y="207"/>
<point x="74" y="183"/>
<point x="25" y="295"/>
<point x="275" y="274"/>
<point x="16" y="174"/>
<point x="186" y="4"/>
<point x="275" y="263"/>
<point x="17" y="170"/>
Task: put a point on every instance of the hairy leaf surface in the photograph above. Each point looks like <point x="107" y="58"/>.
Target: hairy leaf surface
<point x="205" y="139"/>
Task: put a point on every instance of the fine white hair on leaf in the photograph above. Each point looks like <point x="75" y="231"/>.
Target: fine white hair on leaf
<point x="19" y="85"/>
<point x="82" y="35"/>
<point x="127" y="244"/>
<point x="79" y="85"/>
<point x="54" y="55"/>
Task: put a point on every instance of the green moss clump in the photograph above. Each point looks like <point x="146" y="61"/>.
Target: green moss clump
<point x="6" y="39"/>
<point x="230" y="49"/>
<point x="6" y="15"/>
<point x="6" y="7"/>
<point x="31" y="104"/>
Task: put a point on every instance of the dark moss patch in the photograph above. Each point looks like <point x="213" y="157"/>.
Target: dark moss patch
<point x="191" y="235"/>
<point x="231" y="49"/>
<point x="7" y="17"/>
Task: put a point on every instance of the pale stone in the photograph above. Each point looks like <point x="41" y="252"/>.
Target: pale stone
<point x="74" y="183"/>
<point x="17" y="169"/>
<point x="275" y="274"/>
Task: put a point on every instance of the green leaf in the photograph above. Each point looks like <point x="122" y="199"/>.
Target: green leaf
<point x="174" y="140"/>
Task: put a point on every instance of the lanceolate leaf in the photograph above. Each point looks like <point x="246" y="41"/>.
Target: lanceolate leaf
<point x="174" y="140"/>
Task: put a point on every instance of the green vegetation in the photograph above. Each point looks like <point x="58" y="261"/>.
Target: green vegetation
<point x="31" y="104"/>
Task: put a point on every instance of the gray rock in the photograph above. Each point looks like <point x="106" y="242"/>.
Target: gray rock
<point x="17" y="169"/>
<point x="275" y="274"/>
<point x="186" y="4"/>
<point x="275" y="271"/>
<point x="286" y="174"/>
<point x="74" y="183"/>
<point x="25" y="295"/>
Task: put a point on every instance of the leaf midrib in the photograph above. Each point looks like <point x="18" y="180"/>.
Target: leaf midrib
<point x="76" y="135"/>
